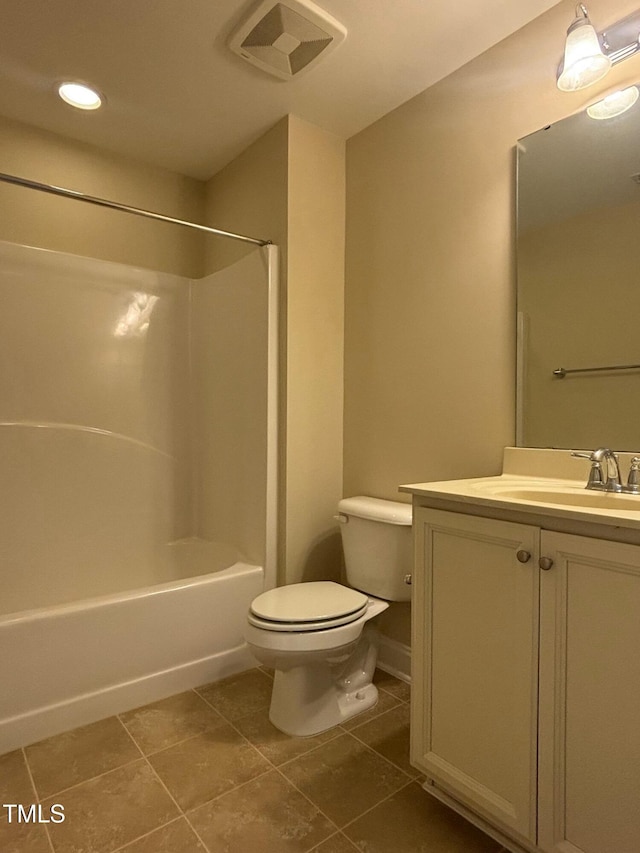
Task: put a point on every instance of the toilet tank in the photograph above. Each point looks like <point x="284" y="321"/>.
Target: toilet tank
<point x="378" y="552"/>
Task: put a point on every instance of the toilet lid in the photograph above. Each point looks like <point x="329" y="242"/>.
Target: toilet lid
<point x="306" y="627"/>
<point x="308" y="604"/>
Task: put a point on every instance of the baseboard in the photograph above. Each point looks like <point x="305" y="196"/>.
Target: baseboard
<point x="394" y="658"/>
<point x="117" y="698"/>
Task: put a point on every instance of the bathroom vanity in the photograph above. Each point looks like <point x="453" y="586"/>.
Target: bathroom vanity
<point x="526" y="654"/>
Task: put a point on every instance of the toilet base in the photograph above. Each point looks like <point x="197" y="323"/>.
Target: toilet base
<point x="319" y="695"/>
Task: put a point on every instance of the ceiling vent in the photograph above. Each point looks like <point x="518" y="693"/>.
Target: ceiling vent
<point x="286" y="39"/>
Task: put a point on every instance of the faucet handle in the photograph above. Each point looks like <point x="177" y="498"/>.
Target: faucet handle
<point x="633" y="481"/>
<point x="596" y="479"/>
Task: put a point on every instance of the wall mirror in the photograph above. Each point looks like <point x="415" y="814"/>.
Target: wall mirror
<point x="578" y="267"/>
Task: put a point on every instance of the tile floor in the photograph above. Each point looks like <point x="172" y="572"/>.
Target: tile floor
<point x="206" y="772"/>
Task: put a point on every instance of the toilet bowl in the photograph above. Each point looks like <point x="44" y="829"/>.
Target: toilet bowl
<point x="324" y="666"/>
<point x="316" y="635"/>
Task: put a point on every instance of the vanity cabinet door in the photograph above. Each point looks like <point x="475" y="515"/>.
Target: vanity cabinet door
<point x="475" y="663"/>
<point x="589" y="696"/>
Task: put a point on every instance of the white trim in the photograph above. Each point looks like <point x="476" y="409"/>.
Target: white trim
<point x="522" y="323"/>
<point x="271" y="540"/>
<point x="394" y="658"/>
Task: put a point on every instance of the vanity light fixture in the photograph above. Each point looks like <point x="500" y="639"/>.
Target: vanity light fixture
<point x="584" y="62"/>
<point x="80" y="95"/>
<point x="614" y="104"/>
<point x="589" y="55"/>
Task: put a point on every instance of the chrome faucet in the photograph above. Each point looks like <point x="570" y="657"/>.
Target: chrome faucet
<point x="605" y="471"/>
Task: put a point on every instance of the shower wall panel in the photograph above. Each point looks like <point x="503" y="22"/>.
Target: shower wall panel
<point x="229" y="360"/>
<point x="94" y="433"/>
<point x="133" y="415"/>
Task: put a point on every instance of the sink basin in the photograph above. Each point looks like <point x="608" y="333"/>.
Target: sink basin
<point x="590" y="499"/>
<point x="541" y="484"/>
<point x="561" y="494"/>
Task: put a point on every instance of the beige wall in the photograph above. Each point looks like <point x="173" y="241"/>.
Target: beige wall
<point x="315" y="334"/>
<point x="249" y="196"/>
<point x="430" y="294"/>
<point x="39" y="219"/>
<point x="289" y="187"/>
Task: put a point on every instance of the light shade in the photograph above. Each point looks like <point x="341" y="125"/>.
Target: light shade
<point x="80" y="96"/>
<point x="584" y="62"/>
<point x="614" y="104"/>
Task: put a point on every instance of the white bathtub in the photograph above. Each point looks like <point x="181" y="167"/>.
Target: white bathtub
<point x="71" y="664"/>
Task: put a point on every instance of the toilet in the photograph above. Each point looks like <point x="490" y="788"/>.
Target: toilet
<point x="317" y="636"/>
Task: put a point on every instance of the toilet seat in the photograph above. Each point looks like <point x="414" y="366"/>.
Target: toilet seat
<point x="312" y="606"/>
<point x="300" y="627"/>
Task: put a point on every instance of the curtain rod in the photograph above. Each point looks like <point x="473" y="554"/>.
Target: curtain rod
<point x="114" y="205"/>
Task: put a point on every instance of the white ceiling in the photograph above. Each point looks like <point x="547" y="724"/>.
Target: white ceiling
<point x="178" y="98"/>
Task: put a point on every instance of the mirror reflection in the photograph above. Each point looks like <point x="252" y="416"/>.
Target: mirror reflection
<point x="578" y="293"/>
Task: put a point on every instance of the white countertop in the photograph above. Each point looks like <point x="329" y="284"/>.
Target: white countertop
<point x="554" y="496"/>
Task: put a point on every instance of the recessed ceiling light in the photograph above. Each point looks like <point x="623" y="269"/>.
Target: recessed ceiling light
<point x="80" y="96"/>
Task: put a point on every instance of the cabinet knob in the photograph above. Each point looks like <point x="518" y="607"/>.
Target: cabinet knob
<point x="545" y="563"/>
<point x="523" y="556"/>
<point x="408" y="580"/>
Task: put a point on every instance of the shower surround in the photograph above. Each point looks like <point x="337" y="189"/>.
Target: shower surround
<point x="137" y="431"/>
